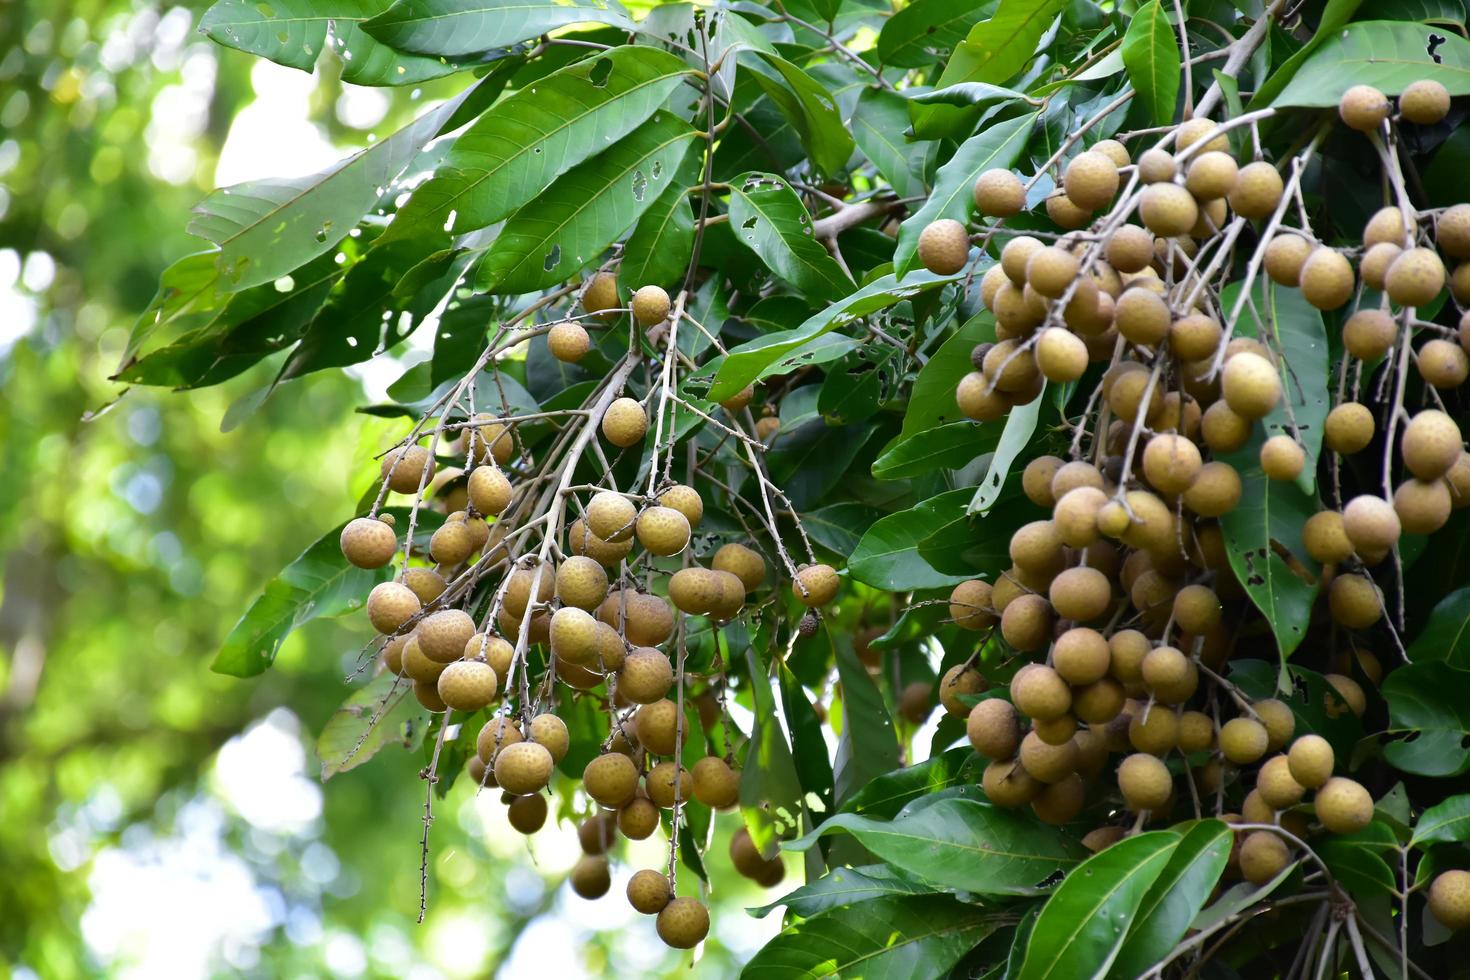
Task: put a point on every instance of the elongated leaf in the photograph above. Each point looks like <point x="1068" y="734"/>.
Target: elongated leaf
<point x="517" y="148"/>
<point x="811" y="109"/>
<point x="767" y="216"/>
<point x="1175" y="897"/>
<point x="770" y="791"/>
<point x="868" y="746"/>
<point x="969" y="546"/>
<point x="1363" y="862"/>
<point x="188" y="297"/>
<point x="1447" y="821"/>
<point x="1237" y="897"/>
<point x="745" y="363"/>
<point x="843" y="886"/>
<point x="1313" y="701"/>
<point x="572" y="221"/>
<point x="967" y="94"/>
<point x="931" y="401"/>
<point x="889" y="793"/>
<point x="998" y="48"/>
<point x="953" y="195"/>
<point x="1020" y="426"/>
<point x="1429" y="703"/>
<point x="1335" y="15"/>
<point x="900" y="937"/>
<point x="878" y="126"/>
<point x="1151" y="55"/>
<point x="1078" y="933"/>
<point x="1447" y="634"/>
<point x="657" y="252"/>
<point x="456" y="27"/>
<point x="963" y="844"/>
<point x="948" y="447"/>
<point x="1388" y="55"/>
<point x="926" y="31"/>
<point x="266" y="228"/>
<point x="808" y="742"/>
<point x="887" y="557"/>
<point x="374" y="716"/>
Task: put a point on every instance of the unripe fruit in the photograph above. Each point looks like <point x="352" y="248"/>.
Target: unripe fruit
<point x="815" y="585"/>
<point x="390" y="605"/>
<point x="1363" y="108"/>
<point x="1415" y="278"/>
<point x="1263" y="855"/>
<point x="1371" y="524"/>
<point x="368" y="542"/>
<point x="1348" y="429"/>
<point x="646" y="676"/>
<point x="993" y="728"/>
<point x="1243" y="740"/>
<point x="589" y="877"/>
<point x="944" y="247"/>
<point x="1250" y="385"/>
<point x="1431" y="444"/>
<point x="1327" y="279"/>
<point x="1211" y="175"/>
<point x="742" y="562"/>
<point x="451" y="544"/>
<point x="1449" y="899"/>
<point x="959" y="680"/>
<point x="1145" y="782"/>
<point x="685" y="500"/>
<point x="648" y="891"/>
<point x="1256" y="191"/>
<point x="1282" y="458"/>
<point x="1285" y="256"/>
<point x="601" y="294"/>
<point x="638" y="818"/>
<point x="610" y="779"/>
<point x="662" y="530"/>
<point x="999" y="193"/>
<point x="624" y="423"/>
<point x="969" y="605"/>
<point x="716" y="785"/>
<point x="467" y="685"/>
<point x="1039" y="692"/>
<point x="1168" y="210"/>
<point x="1311" y="760"/>
<point x="527" y="814"/>
<point x="1090" y="180"/>
<point x="1443" y="363"/>
<point x="1081" y="594"/>
<point x="568" y="342"/>
<point x="650" y="305"/>
<point x="1343" y="806"/>
<point x="523" y="767"/>
<point x="683" y="923"/>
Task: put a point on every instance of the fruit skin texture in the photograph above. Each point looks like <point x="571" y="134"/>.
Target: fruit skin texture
<point x="993" y="729"/>
<point x="489" y="491"/>
<point x="468" y="685"/>
<point x="1415" y="277"/>
<point x="944" y="247"/>
<point x="1431" y="444"/>
<point x="1311" y="760"/>
<point x="590" y="877"/>
<point x="568" y="342"/>
<point x="601" y="293"/>
<point x="1425" y="102"/>
<point x="1326" y="279"/>
<point x="999" y="193"/>
<point x="1251" y="385"/>
<point x="1168" y="210"/>
<point x="1144" y="781"/>
<point x="611" y="516"/>
<point x="523" y="768"/>
<point x="1243" y="740"/>
<point x="1262" y="856"/>
<point x="611" y="779"/>
<point x="1257" y="191"/>
<point x="969" y="605"/>
<point x="650" y="305"/>
<point x="368" y="543"/>
<point x="404" y="467"/>
<point x="1363" y="107"/>
<point x="816" y="585"/>
<point x="390" y="605"/>
<point x="624" y="423"/>
<point x="744" y="563"/>
<point x="716" y="785"/>
<point x="1449" y="899"/>
<point x="648" y="891"/>
<point x="1090" y="180"/>
<point x="683" y="923"/>
<point x="1343" y="806"/>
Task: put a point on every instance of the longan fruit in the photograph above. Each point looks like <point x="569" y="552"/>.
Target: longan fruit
<point x="1156" y="166"/>
<point x="1460" y="290"/>
<point x="1458" y="479"/>
<point x="1048" y="763"/>
<point x="1327" y="279"/>
<point x="1211" y="175"/>
<point x="581" y="582"/>
<point x="1142" y="317"/>
<point x="815" y="585"/>
<point x="1154" y="730"/>
<point x="1348" y="429"/>
<point x="1061" y="356"/>
<point x="1388" y="224"/>
<point x="1243" y="740"/>
<point x="1449" y="898"/>
<point x="1286" y="254"/>
<point x="1368" y="334"/>
<point x="1099" y="702"/>
<point x="426" y="583"/>
<point x="1215" y="491"/>
<point x="944" y="247"/>
<point x="1256" y="191"/>
<point x="657" y="726"/>
<point x="649" y="891"/>
<point x="624" y="423"/>
<point x="1065" y="213"/>
<point x="1282" y="458"/>
<point x="663" y="531"/>
<point x="517" y="596"/>
<point x="649" y="620"/>
<point x="1278" y="788"/>
<point x="1167" y="210"/>
<point x="600" y="296"/>
<point x="1376" y="262"/>
<point x="1081" y="656"/>
<point x="1350" y="691"/>
<point x="489" y="440"/>
<point x="1363" y="108"/>
<point x="427" y="694"/>
<point x="1223" y="429"/>
<point x="694" y="590"/>
<point x="550" y="731"/>
<point x="523" y="767"/>
<point x="1196" y="609"/>
<point x="1056" y="731"/>
<point x="1145" y="782"/>
<point x="1015" y="257"/>
<point x="1263" y="855"/>
<point x="419" y="667"/>
<point x="1250" y="385"/>
<point x="1080" y="594"/>
<point x="716" y="785"/>
<point x="1039" y="692"/>
<point x="1170" y="675"/>
<point x="390" y="605"/>
<point x="685" y="500"/>
<point x="1075" y="516"/>
<point x="1431" y="444"/>
<point x="451" y="544"/>
<point x="489" y="491"/>
<point x="1130" y="248"/>
<point x="1007" y="784"/>
<point x="568" y="342"/>
<point x="1196" y="732"/>
<point x="597" y="833"/>
<point x="495" y="735"/>
<point x="1371" y="524"/>
<point x="1311" y="760"/>
<point x="683" y="923"/>
<point x="1171" y="463"/>
<point x="467" y="685"/>
<point x="650" y="305"/>
<point x="1452" y="231"/>
<point x="574" y="635"/>
<point x="1191" y="131"/>
<point x="638" y="818"/>
<point x="1194" y="336"/>
<point x="368" y="542"/>
<point x="527" y="814"/>
<point x="1101" y="838"/>
<point x="611" y="516"/>
<point x="744" y="563"/>
<point x="1415" y="277"/>
<point x="999" y="193"/>
<point x="1026" y="622"/>
<point x="589" y="877"/>
<point x="1090" y="180"/>
<point x="993" y="728"/>
<point x="1060" y="802"/>
<point x="661" y="787"/>
<point x="1343" y="806"/>
<point x="979" y="400"/>
<point x="1036" y="480"/>
<point x="611" y="779"/>
<point x="959" y="680"/>
<point x="1425" y="102"/>
<point x="1278" y="720"/>
<point x="403" y="468"/>
<point x="1423" y="506"/>
<point x="646" y="676"/>
<point x="1443" y="363"/>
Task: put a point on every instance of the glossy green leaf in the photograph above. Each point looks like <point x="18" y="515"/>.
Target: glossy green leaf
<point x="998" y="48"/>
<point x="768" y="217"/>
<point x="570" y="223"/>
<point x="373" y="716"/>
<point x="808" y="741"/>
<point x="1078" y="932"/>
<point x="1237" y="897"/>
<point x="810" y="108"/>
<point x="967" y="94"/>
<point x="457" y="27"/>
<point x="963" y="844"/>
<point x="1447" y="821"/>
<point x="1448" y="12"/>
<point x="1015" y="436"/>
<point x="887" y="557"/>
<point x="868" y="746"/>
<point x="1312" y="700"/>
<point x="969" y="546"/>
<point x="945" y="447"/>
<point x="1388" y="55"/>
<point x="932" y="398"/>
<point x="770" y="790"/>
<point x="924" y="32"/>
<point x="893" y="938"/>
<point x="889" y="793"/>
<point x="878" y="127"/>
<point x="843" y="886"/>
<point x="1447" y="634"/>
<point x="1335" y="16"/>
<point x="953" y="195"/>
<point x="1151" y="55"/>
<point x="657" y="253"/>
<point x="1175" y="897"/>
<point x="1360" y="862"/>
<point x="1429" y="708"/>
<point x="839" y="527"/>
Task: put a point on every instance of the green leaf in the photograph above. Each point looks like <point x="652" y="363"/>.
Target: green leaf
<point x="1237" y="897"/>
<point x="962" y="844"/>
<point x="1446" y="636"/>
<point x="746" y="362"/>
<point x="931" y="400"/>
<point x="1389" y="55"/>
<point x="1151" y="55"/>
<point x="878" y="126"/>
<point x="1429" y="703"/>
<point x="926" y="31"/>
<point x="998" y="48"/>
<point x="770" y="791"/>
<point x="894" y="938"/>
<point x="372" y="717"/>
<point x="1312" y="700"/>
<point x="1447" y="821"/>
<point x="570" y="223"/>
<point x="1175" y="897"/>
<point x="518" y="147"/>
<point x="295" y="32"/>
<point x="868" y="746"/>
<point x="1359" y="861"/>
<point x="1449" y="12"/>
<point x="266" y="228"/>
<point x="1078" y="932"/>
<point x="838" y="527"/>
<point x="967" y="94"/>
<point x="887" y="556"/>
<point x="947" y="447"/>
<point x="768" y="217"/>
<point x="811" y="109"/>
<point x="1335" y="16"/>
<point x="969" y="546"/>
<point x="808" y="741"/>
<point x="1020" y="426"/>
<point x="453" y="27"/>
<point x="953" y="195"/>
<point x="843" y="886"/>
<point x="889" y="793"/>
<point x="657" y="253"/>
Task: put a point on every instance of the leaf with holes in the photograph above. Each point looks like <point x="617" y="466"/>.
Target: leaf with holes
<point x="770" y="219"/>
<point x="1388" y="55"/>
<point x="1429" y="705"/>
<point x="1318" y="709"/>
<point x="458" y="27"/>
<point x="1151" y="55"/>
<point x="657" y="253"/>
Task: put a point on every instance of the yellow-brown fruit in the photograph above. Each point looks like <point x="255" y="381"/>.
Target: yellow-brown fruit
<point x="582" y="541"/>
<point x="1371" y="524"/>
<point x="1326" y="279"/>
<point x="1350" y="691"/>
<point x="1343" y="806"/>
<point x="1168" y="210"/>
<point x="1065" y="213"/>
<point x="646" y="676"/>
<point x="1154" y="730"/>
<point x="1211" y="175"/>
<point x="1243" y="740"/>
<point x="518" y="589"/>
<point x="1145" y="782"/>
<point x="685" y="500"/>
<point x="598" y="832"/>
<point x="1452" y="231"/>
<point x="1098" y="703"/>
<point x="1114" y="151"/>
<point x="1282" y="458"/>
<point x="1256" y="191"/>
<point x="1191" y="131"/>
<point x="568" y="342"/>
<point x="390" y="605"/>
<point x="1026" y="622"/>
<point x="1278" y="720"/>
<point x="1196" y="609"/>
<point x="1102" y="838"/>
<point x="1130" y="249"/>
<point x="1376" y="262"/>
<point x="694" y="590"/>
<point x="1036" y="480"/>
<point x="1007" y="784"/>
<point x="1015" y="257"/>
<point x="815" y="585"/>
<point x="959" y="680"/>
<point x="662" y="531"/>
<point x="1311" y="760"/>
<point x="662" y="788"/>
<point x="368" y="542"/>
<point x="1250" y="385"/>
<point x="1171" y="463"/>
<point x="993" y="728"/>
<point x="1423" y="506"/>
<point x="1081" y="594"/>
<point x="1075" y="516"/>
<point x="574" y="635"/>
<point x="523" y="767"/>
<point x="1363" y="108"/>
<point x="1415" y="278"/>
<point x="610" y="779"/>
<point x="1142" y="317"/>
<point x="581" y="582"/>
<point x="1460" y="290"/>
<point x="489" y="491"/>
<point x="914" y="702"/>
<point x="1278" y="788"/>
<point x="451" y="543"/>
<point x="978" y="399"/>
<point x="1368" y="334"/>
<point x="1389" y="224"/>
<point x="527" y="814"/>
<point x="601" y="294"/>
<point x="1037" y="548"/>
<point x="716" y="785"/>
<point x="742" y="562"/>
<point x="1285" y="256"/>
<point x="590" y="877"/>
<point x="1057" y="731"/>
<point x="1156" y="166"/>
<point x="1196" y="732"/>
<point x="1045" y="762"/>
<point x="1061" y="356"/>
<point x="657" y="726"/>
<point x="649" y="891"/>
<point x="1212" y="217"/>
<point x="1348" y="429"/>
<point x="969" y="605"/>
<point x="638" y="818"/>
<point x="999" y="193"/>
<point x="1168" y="674"/>
<point x="944" y="247"/>
<point x="425" y="583"/>
<point x="1449" y="897"/>
<point x="404" y="468"/>
<point x="1010" y="367"/>
<point x="650" y="305"/>
<point x="1090" y="180"/>
<point x="1217" y="488"/>
<point x="427" y="693"/>
<point x="467" y="685"/>
<point x="495" y="735"/>
<point x="1425" y="102"/>
<point x="1263" y="855"/>
<point x="419" y="667"/>
<point x="1443" y="363"/>
<point x="649" y="619"/>
<point x="611" y="516"/>
<point x="624" y="423"/>
<point x="1060" y="802"/>
<point x="1039" y="692"/>
<point x="1459" y="480"/>
<point x="1430" y="444"/>
<point x="1194" y="336"/>
<point x="1081" y="656"/>
<point x="738" y="400"/>
<point x="683" y="923"/>
<point x="551" y="732"/>
<point x="490" y="440"/>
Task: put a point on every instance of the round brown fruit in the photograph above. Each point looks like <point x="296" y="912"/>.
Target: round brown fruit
<point x="1343" y="806"/>
<point x="1145" y="782"/>
<point x="568" y="342"/>
<point x="1282" y="458"/>
<point x="600" y="296"/>
<point x="1363" y="108"/>
<point x="815" y="585"/>
<point x="648" y="891"/>
<point x="1285" y="256"/>
<point x="1424" y="102"/>
<point x="1257" y="190"/>
<point x="1348" y="429"/>
<point x="650" y="305"/>
<point x="1311" y="760"/>
<point x="1327" y="279"/>
<point x="1263" y="855"/>
<point x="1449" y="899"/>
<point x="1168" y="210"/>
<point x="624" y="423"/>
<point x="683" y="923"/>
<point x="944" y="247"/>
<point x="994" y="729"/>
<point x="999" y="193"/>
<point x="368" y="542"/>
<point x="1090" y="180"/>
<point x="1415" y="278"/>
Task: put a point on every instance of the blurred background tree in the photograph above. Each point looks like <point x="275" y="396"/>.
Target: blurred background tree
<point x="161" y="820"/>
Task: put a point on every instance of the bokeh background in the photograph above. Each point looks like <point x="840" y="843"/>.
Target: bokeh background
<point x="158" y="820"/>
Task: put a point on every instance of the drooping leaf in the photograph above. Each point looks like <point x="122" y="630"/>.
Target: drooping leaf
<point x="1151" y="55"/>
<point x="932" y="399"/>
<point x="458" y="27"/>
<point x="886" y="795"/>
<point x="998" y="48"/>
<point x="808" y="744"/>
<point x="1429" y="706"/>
<point x="1448" y="820"/>
<point x="569" y="224"/>
<point x="1388" y="55"/>
<point x="868" y="746"/>
<point x="1446" y="636"/>
<point x="878" y="126"/>
<point x="887" y="556"/>
<point x="943" y="447"/>
<point x="657" y="253"/>
<point x="926" y="31"/>
<point x="843" y="886"/>
<point x="1175" y="898"/>
<point x="767" y="216"/>
<point x="1015" y="436"/>
<point x="811" y="109"/>
<point x="953" y="195"/>
<point x="372" y="717"/>
<point x="770" y="790"/>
